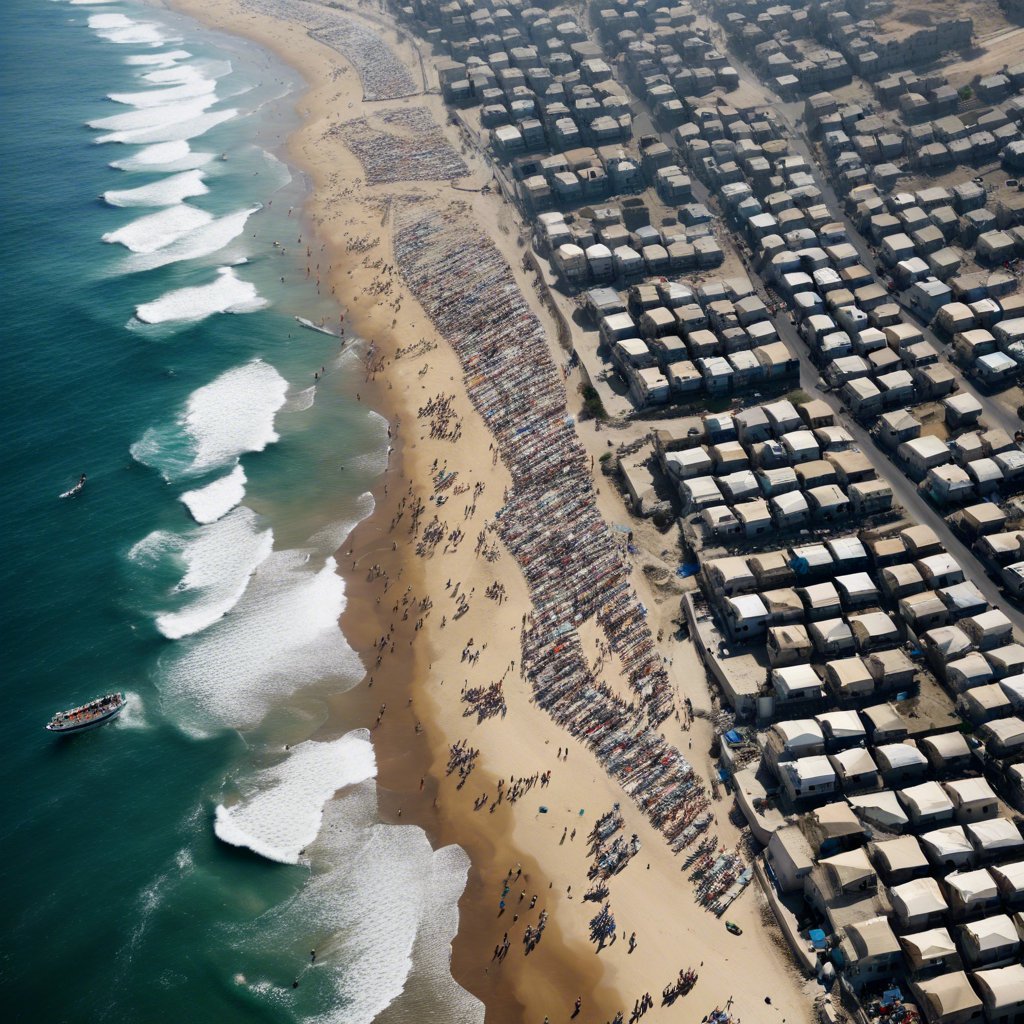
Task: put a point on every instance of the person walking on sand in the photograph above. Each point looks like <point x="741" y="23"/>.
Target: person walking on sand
<point x="579" y="1003"/>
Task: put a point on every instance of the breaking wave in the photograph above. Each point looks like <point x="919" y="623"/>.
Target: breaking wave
<point x="281" y="815"/>
<point x="227" y="294"/>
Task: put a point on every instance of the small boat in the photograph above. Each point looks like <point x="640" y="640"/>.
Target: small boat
<point x="77" y="489"/>
<point x="732" y="926"/>
<point x="309" y="325"/>
<point x="88" y="716"/>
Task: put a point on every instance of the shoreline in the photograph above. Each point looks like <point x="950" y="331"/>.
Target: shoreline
<point x="659" y="905"/>
<point x="399" y="766"/>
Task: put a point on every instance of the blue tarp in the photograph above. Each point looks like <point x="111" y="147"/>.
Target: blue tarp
<point x="688" y="569"/>
<point x="817" y="937"/>
<point x="732" y="736"/>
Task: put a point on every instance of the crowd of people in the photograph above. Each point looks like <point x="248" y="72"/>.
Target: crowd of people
<point x="382" y="74"/>
<point x="550" y="521"/>
<point x="462" y="759"/>
<point x="418" y="151"/>
<point x="485" y="701"/>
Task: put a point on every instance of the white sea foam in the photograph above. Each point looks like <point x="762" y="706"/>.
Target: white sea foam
<point x="281" y="636"/>
<point x="207" y="504"/>
<point x="165" y="59"/>
<point x="118" y="28"/>
<point x="155" y="230"/>
<point x="194" y="71"/>
<point x="203" y="240"/>
<point x="331" y="537"/>
<point x="153" y="117"/>
<point x="227" y="294"/>
<point x="176" y="131"/>
<point x="134" y="714"/>
<point x="164" y="156"/>
<point x="232" y="415"/>
<point x="218" y="560"/>
<point x="303" y="400"/>
<point x="165" y="192"/>
<point x="389" y="903"/>
<point x="281" y="814"/>
<point x="148" y="98"/>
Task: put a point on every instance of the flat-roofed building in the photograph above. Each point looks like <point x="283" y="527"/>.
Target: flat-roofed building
<point x="790" y="858"/>
<point x="1009" y="879"/>
<point x="1004" y="737"/>
<point x="795" y="683"/>
<point x="874" y="629"/>
<point x="808" y="778"/>
<point x="891" y="669"/>
<point x="788" y="644"/>
<point x="884" y="723"/>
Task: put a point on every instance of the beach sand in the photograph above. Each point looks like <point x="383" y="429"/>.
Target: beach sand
<point x="420" y="682"/>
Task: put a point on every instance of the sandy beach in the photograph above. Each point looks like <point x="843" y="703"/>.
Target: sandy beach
<point x="437" y="604"/>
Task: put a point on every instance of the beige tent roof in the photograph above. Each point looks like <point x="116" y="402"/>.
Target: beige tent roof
<point x="873" y="937"/>
<point x="972" y="885"/>
<point x="849" y="868"/>
<point x="801" y="732"/>
<point x="899" y="755"/>
<point x="927" y="798"/>
<point x="1011" y="874"/>
<point x="996" y="834"/>
<point x="949" y="994"/>
<point x="901" y="854"/>
<point x="883" y="718"/>
<point x="928" y="945"/>
<point x="881" y="809"/>
<point x="948" y="744"/>
<point x="837" y="820"/>
<point x="992" y="932"/>
<point x="948" y="842"/>
<point x="1002" y="986"/>
<point x="918" y="896"/>
<point x="856" y="761"/>
<point x="843" y="724"/>
<point x="970" y="791"/>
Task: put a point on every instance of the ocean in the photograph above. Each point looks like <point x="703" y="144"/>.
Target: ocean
<point x="183" y="861"/>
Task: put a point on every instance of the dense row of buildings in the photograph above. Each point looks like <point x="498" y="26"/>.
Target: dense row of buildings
<point x="877" y="688"/>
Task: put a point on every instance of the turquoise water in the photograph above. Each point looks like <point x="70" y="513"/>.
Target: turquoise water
<point x="121" y="904"/>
